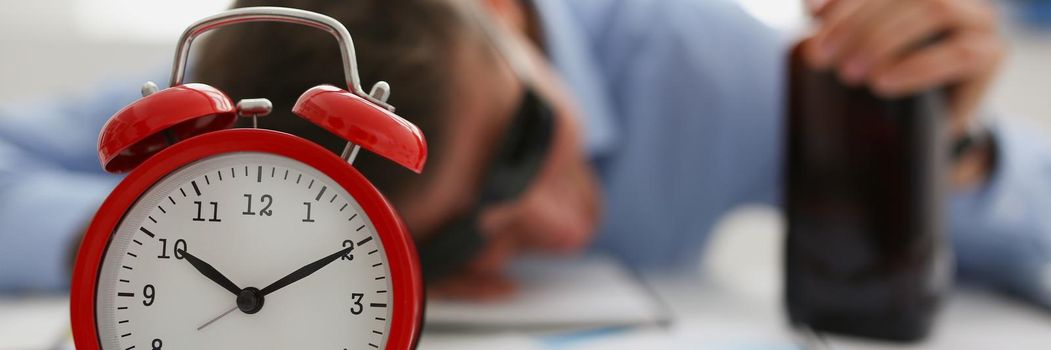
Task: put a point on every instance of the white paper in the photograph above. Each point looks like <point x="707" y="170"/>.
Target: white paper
<point x="557" y="294"/>
<point x="33" y="323"/>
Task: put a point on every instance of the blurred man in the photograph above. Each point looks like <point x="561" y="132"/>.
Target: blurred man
<point x="667" y="114"/>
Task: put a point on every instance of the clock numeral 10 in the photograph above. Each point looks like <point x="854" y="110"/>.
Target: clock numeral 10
<point x="215" y="212"/>
<point x="179" y="247"/>
<point x="265" y="199"/>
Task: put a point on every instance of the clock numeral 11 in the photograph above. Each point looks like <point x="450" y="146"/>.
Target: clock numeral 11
<point x="215" y="212"/>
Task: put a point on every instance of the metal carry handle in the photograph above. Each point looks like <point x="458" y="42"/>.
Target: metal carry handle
<point x="278" y="14"/>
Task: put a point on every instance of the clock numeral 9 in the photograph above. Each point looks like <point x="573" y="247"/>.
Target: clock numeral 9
<point x="215" y="212"/>
<point x="179" y="247"/>
<point x="349" y="256"/>
<point x="147" y="293"/>
<point x="357" y="308"/>
<point x="265" y="199"/>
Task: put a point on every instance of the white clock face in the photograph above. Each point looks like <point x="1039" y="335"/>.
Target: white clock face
<point x="255" y="218"/>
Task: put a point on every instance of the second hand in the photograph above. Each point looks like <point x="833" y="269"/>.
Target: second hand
<point x="217" y="318"/>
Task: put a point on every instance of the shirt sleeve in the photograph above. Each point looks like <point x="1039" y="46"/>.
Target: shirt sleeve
<point x="1001" y="231"/>
<point x="51" y="183"/>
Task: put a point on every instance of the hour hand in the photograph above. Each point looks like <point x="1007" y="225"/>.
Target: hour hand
<point x="210" y="272"/>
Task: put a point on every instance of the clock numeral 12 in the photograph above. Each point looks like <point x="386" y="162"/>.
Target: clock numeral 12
<point x="215" y="212"/>
<point x="266" y="199"/>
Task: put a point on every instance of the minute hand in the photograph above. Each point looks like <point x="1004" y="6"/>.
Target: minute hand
<point x="304" y="271"/>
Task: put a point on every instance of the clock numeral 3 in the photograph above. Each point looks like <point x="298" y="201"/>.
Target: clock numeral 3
<point x="215" y="212"/>
<point x="266" y="199"/>
<point x="179" y="247"/>
<point x="357" y="308"/>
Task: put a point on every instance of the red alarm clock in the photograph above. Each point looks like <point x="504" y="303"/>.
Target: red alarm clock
<point x="246" y="238"/>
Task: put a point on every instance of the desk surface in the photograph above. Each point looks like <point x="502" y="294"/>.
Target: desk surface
<point x="736" y="305"/>
<point x="705" y="313"/>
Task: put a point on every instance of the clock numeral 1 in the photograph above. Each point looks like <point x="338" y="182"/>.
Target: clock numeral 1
<point x="357" y="308"/>
<point x="179" y="247"/>
<point x="215" y="212"/>
<point x="308" y="219"/>
<point x="266" y="199"/>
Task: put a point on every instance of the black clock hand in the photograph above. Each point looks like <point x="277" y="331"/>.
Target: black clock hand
<point x="210" y="272"/>
<point x="304" y="272"/>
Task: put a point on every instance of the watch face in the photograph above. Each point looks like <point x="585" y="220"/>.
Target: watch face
<point x="244" y="251"/>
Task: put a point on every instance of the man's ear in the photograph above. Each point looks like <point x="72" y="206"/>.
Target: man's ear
<point x="510" y="12"/>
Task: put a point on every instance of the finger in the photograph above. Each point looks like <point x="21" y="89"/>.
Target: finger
<point x="495" y="256"/>
<point x="959" y="57"/>
<point x="816" y="6"/>
<point x="884" y="41"/>
<point x="829" y="41"/>
<point x="822" y="9"/>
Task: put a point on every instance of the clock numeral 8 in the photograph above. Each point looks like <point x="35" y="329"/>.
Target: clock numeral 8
<point x="147" y="293"/>
<point x="266" y="199"/>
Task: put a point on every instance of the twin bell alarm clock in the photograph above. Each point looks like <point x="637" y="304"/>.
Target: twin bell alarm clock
<point x="222" y="238"/>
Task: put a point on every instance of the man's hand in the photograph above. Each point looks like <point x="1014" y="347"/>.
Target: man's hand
<point x="901" y="47"/>
<point x="884" y="44"/>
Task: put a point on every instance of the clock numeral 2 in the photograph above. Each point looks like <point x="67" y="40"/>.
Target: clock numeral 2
<point x="179" y="247"/>
<point x="349" y="256"/>
<point x="265" y="199"/>
<point x="308" y="219"/>
<point x="215" y="212"/>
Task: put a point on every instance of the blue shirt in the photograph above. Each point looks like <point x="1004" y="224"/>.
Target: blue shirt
<point x="682" y="108"/>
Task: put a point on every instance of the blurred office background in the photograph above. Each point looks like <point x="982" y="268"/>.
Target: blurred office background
<point x="56" y="47"/>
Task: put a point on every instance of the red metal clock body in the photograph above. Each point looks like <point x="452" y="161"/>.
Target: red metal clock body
<point x="174" y="132"/>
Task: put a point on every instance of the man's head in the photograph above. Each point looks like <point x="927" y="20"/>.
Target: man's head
<point x="449" y="75"/>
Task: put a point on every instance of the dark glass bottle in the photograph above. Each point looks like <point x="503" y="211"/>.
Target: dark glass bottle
<point x="865" y="251"/>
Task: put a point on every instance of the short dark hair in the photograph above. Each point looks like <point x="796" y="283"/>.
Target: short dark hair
<point x="408" y="43"/>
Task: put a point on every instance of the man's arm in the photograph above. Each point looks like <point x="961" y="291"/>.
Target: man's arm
<point x="50" y="185"/>
<point x="1001" y="230"/>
